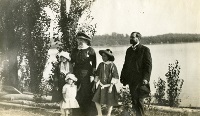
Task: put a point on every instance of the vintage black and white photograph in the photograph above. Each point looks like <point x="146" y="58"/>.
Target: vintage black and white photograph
<point x="99" y="58"/>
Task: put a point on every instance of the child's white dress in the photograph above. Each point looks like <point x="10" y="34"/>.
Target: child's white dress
<point x="70" y="94"/>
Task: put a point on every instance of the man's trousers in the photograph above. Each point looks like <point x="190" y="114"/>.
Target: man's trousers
<point x="137" y="101"/>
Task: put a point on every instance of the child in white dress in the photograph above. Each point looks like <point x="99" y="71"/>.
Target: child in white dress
<point x="69" y="93"/>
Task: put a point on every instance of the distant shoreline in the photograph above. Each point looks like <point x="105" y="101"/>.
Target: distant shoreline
<point x="54" y="47"/>
<point x="116" y="39"/>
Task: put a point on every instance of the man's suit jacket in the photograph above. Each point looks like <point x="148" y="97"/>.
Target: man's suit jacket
<point x="137" y="66"/>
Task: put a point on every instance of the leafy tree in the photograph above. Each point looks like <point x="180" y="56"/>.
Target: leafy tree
<point x="174" y="84"/>
<point x="23" y="26"/>
<point x="35" y="42"/>
<point x="69" y="22"/>
<point x="9" y="39"/>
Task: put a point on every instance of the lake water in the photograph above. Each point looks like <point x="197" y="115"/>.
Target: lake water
<point x="188" y="55"/>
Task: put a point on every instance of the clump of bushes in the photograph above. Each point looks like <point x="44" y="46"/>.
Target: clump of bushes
<point x="45" y="89"/>
<point x="174" y="87"/>
<point x="125" y="102"/>
<point x="160" y="91"/>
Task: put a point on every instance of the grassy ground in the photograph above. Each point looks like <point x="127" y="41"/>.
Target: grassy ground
<point x="8" y="109"/>
<point x="156" y="112"/>
<point x="23" y="112"/>
<point x="19" y="109"/>
<point x="159" y="113"/>
<point x="17" y="112"/>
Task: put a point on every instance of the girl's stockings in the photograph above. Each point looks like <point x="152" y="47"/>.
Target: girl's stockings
<point x="98" y="106"/>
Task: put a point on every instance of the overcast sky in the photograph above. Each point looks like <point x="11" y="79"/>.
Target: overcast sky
<point x="150" y="17"/>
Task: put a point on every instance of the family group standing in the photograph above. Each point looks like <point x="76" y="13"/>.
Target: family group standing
<point x="79" y="84"/>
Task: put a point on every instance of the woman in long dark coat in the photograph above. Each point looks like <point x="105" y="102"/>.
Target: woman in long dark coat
<point x="84" y="59"/>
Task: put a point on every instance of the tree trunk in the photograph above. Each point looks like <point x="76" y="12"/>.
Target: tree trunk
<point x="12" y="68"/>
<point x="10" y="51"/>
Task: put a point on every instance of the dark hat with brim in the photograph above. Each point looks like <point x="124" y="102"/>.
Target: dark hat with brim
<point x="108" y="52"/>
<point x="144" y="91"/>
<point x="81" y="35"/>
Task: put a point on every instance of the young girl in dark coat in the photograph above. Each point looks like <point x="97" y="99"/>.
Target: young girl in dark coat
<point x="105" y="80"/>
<point x="62" y="68"/>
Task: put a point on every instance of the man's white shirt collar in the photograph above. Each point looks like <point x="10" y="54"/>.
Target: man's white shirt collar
<point x="134" y="47"/>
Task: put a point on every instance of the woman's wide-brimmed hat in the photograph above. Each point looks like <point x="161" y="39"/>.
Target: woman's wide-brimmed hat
<point x="81" y="35"/>
<point x="108" y="52"/>
<point x="64" y="54"/>
<point x="71" y="76"/>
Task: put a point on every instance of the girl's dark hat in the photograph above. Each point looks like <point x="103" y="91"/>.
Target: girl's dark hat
<point x="108" y="52"/>
<point x="81" y="35"/>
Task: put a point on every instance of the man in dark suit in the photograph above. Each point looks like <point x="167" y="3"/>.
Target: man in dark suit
<point x="136" y="72"/>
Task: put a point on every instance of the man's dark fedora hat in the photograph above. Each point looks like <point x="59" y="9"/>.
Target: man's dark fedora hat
<point x="81" y="35"/>
<point x="108" y="52"/>
<point x="145" y="90"/>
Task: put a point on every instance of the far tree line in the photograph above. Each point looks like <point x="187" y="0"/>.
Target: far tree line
<point x="121" y="39"/>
